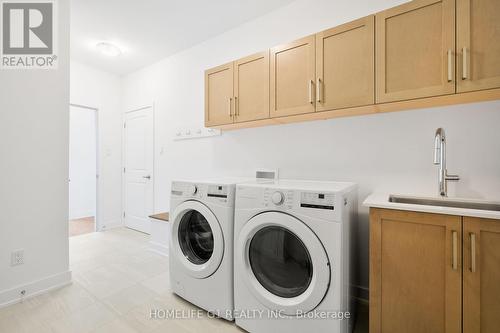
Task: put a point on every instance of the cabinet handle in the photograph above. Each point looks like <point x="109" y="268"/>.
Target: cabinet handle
<point x="464" y="63"/>
<point x="472" y="252"/>
<point x="311" y="83"/>
<point x="450" y="66"/>
<point x="230" y="107"/>
<point x="318" y="90"/>
<point x="454" y="244"/>
<point x="236" y="106"/>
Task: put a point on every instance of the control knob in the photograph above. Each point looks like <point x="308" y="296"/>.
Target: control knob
<point x="192" y="189"/>
<point x="277" y="198"/>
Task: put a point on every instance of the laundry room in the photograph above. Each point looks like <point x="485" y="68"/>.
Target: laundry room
<point x="265" y="166"/>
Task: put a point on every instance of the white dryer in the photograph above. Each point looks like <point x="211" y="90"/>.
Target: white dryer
<point x="292" y="256"/>
<point x="201" y="247"/>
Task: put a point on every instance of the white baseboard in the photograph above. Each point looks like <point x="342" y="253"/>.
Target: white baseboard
<point x="35" y="288"/>
<point x="158" y="248"/>
<point x="81" y="214"/>
<point x="111" y="224"/>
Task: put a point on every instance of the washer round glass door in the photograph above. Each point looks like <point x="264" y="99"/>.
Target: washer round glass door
<point x="280" y="261"/>
<point x="197" y="239"/>
<point x="286" y="266"/>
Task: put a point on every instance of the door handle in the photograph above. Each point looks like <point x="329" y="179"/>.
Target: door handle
<point x="230" y="107"/>
<point x="318" y="90"/>
<point x="450" y="66"/>
<point x="464" y="63"/>
<point x="146" y="177"/>
<point x="454" y="245"/>
<point x="472" y="252"/>
<point x="311" y="83"/>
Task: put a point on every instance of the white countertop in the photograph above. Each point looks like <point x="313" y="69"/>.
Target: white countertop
<point x="381" y="200"/>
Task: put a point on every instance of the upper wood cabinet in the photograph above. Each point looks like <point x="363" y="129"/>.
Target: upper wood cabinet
<point x="415" y="45"/>
<point x="345" y="68"/>
<point x="481" y="272"/>
<point x="292" y="78"/>
<point x="415" y="272"/>
<point x="219" y="95"/>
<point x="478" y="44"/>
<point x="421" y="54"/>
<point x="251" y="87"/>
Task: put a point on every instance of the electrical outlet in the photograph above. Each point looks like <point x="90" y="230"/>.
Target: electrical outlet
<point x="17" y="258"/>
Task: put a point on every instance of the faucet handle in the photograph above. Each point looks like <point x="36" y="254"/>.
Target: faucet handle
<point x="453" y="178"/>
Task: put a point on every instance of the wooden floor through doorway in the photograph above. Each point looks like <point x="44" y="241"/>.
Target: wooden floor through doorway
<point x="81" y="226"/>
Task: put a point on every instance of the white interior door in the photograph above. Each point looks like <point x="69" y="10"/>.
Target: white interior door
<point x="82" y="162"/>
<point x="138" y="169"/>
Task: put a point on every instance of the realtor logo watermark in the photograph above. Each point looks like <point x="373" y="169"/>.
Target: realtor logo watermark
<point x="29" y="34"/>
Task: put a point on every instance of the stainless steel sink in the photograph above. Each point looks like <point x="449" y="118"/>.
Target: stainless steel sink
<point x="446" y="202"/>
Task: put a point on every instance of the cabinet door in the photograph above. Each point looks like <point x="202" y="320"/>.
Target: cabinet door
<point x="415" y="45"/>
<point x="219" y="95"/>
<point x="478" y="44"/>
<point x="292" y="78"/>
<point x="345" y="70"/>
<point x="251" y="87"/>
<point x="415" y="272"/>
<point x="481" y="275"/>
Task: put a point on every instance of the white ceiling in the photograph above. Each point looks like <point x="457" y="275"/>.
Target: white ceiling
<point x="149" y="30"/>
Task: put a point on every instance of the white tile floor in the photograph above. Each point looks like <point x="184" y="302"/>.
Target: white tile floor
<point x="116" y="283"/>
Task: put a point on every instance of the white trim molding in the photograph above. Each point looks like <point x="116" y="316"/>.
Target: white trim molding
<point x="35" y="288"/>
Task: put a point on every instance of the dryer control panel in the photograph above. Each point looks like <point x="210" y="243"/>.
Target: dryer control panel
<point x="217" y="191"/>
<point x="211" y="192"/>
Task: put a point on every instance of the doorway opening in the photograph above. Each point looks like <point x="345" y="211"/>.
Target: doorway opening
<point x="83" y="173"/>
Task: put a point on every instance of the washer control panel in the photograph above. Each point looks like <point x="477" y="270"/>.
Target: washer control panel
<point x="320" y="203"/>
<point x="278" y="198"/>
<point x="317" y="200"/>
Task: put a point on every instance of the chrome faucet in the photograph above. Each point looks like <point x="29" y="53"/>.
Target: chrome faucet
<point x="440" y="159"/>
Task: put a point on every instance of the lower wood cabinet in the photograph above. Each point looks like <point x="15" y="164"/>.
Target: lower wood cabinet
<point x="481" y="284"/>
<point x="419" y="265"/>
<point x="415" y="272"/>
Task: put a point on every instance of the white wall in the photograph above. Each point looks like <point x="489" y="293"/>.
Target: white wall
<point x="386" y="152"/>
<point x="34" y="122"/>
<point x="82" y="162"/>
<point x="94" y="88"/>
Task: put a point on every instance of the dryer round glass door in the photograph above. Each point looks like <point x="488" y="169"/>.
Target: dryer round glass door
<point x="197" y="239"/>
<point x="284" y="263"/>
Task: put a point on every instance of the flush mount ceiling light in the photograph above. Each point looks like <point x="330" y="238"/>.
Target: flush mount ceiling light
<point x="109" y="49"/>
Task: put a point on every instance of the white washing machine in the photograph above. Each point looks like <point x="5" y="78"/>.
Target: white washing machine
<point x="292" y="256"/>
<point x="201" y="247"/>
